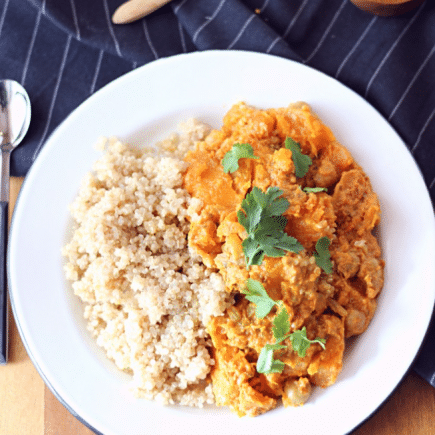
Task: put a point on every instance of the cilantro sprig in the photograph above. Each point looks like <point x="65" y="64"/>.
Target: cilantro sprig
<point x="301" y="161"/>
<point x="315" y="189"/>
<point x="322" y="254"/>
<point x="266" y="363"/>
<point x="300" y="342"/>
<point x="230" y="162"/>
<point x="257" y="294"/>
<point x="261" y="216"/>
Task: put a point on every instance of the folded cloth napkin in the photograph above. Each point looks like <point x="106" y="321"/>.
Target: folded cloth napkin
<point x="63" y="51"/>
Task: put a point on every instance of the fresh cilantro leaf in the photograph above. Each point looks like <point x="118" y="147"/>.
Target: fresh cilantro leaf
<point x="275" y="206"/>
<point x="289" y="244"/>
<point x="272" y="194"/>
<point x="253" y="251"/>
<point x="230" y="162"/>
<point x="257" y="294"/>
<point x="265" y="360"/>
<point x="259" y="196"/>
<point x="250" y="247"/>
<point x="271" y="225"/>
<point x="270" y="251"/>
<point x="277" y="366"/>
<point x="281" y="324"/>
<point x="261" y="216"/>
<point x="320" y="341"/>
<point x="301" y="161"/>
<point x="266" y="363"/>
<point x="300" y="342"/>
<point x="322" y="255"/>
<point x="253" y="211"/>
<point x="315" y="189"/>
<point x="243" y="220"/>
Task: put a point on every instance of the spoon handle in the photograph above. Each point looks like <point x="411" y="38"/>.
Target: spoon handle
<point x="4" y="208"/>
<point x="4" y="220"/>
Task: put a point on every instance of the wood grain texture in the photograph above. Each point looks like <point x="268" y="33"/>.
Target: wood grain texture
<point x="409" y="410"/>
<point x="58" y="420"/>
<point x="28" y="407"/>
<point x="21" y="387"/>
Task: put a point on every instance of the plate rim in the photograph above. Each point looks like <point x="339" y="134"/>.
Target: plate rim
<point x="105" y="89"/>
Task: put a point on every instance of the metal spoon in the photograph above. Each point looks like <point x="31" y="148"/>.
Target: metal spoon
<point x="14" y="123"/>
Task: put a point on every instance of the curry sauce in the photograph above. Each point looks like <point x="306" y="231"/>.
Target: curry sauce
<point x="330" y="306"/>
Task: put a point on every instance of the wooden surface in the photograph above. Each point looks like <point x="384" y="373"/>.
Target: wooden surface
<point x="27" y="407"/>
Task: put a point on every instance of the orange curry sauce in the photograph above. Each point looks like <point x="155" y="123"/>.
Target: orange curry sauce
<point x="331" y="306"/>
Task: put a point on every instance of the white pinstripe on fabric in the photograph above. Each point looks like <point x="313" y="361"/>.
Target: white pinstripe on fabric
<point x="264" y="5"/>
<point x="75" y="19"/>
<point x="241" y="31"/>
<point x="411" y="84"/>
<point x="391" y="49"/>
<point x="2" y="19"/>
<point x="110" y="27"/>
<point x="30" y="50"/>
<point x="372" y="21"/>
<point x="295" y="18"/>
<point x="177" y="8"/>
<point x="182" y="40"/>
<point x="417" y="142"/>
<point x="43" y="7"/>
<point x="148" y="38"/>
<point x="289" y="27"/>
<point x="262" y="8"/>
<point x="430" y="187"/>
<point x="270" y="48"/>
<point x="208" y="21"/>
<point x="97" y="71"/>
<point x="54" y="96"/>
<point x="328" y="29"/>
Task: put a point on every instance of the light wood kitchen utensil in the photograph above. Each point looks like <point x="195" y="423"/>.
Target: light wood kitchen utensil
<point x="133" y="10"/>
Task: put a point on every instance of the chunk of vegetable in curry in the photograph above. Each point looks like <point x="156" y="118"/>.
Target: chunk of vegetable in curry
<point x="330" y="306"/>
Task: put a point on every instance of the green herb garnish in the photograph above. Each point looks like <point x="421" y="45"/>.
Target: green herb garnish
<point x="266" y="363"/>
<point x="230" y="162"/>
<point x="262" y="219"/>
<point x="315" y="189"/>
<point x="257" y="294"/>
<point x="281" y="324"/>
<point x="300" y="342"/>
<point x="301" y="161"/>
<point x="322" y="255"/>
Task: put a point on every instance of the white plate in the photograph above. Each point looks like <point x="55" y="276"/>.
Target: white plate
<point x="143" y="106"/>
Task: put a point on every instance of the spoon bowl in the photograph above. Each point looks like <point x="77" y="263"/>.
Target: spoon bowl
<point x="14" y="122"/>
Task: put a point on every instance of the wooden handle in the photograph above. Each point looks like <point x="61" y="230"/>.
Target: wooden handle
<point x="133" y="10"/>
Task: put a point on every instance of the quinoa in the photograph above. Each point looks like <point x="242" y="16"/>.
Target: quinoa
<point x="147" y="298"/>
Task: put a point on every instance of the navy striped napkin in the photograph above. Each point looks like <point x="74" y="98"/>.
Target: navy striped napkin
<point x="63" y="51"/>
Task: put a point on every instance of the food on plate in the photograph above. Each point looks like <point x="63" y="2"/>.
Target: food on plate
<point x="286" y="216"/>
<point x="230" y="265"/>
<point x="146" y="299"/>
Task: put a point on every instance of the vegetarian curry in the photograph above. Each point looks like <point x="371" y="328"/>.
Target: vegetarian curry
<point x="286" y="215"/>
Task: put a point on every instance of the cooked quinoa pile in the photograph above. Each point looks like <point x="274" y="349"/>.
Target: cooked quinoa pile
<point x="147" y="298"/>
